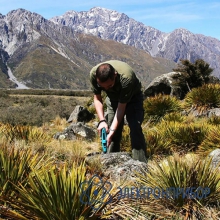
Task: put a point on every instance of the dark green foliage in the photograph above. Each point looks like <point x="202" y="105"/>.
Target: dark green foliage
<point x="193" y="74"/>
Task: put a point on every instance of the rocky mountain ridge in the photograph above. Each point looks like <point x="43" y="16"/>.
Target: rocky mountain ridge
<point x="176" y="45"/>
<point x="42" y="54"/>
<point x="59" y="53"/>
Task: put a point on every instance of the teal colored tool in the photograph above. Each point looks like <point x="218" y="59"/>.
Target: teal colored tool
<point x="104" y="140"/>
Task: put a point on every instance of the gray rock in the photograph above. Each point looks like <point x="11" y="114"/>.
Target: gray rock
<point x="204" y="113"/>
<point x="119" y="166"/>
<point x="214" y="112"/>
<point x="215" y="154"/>
<point x="80" y="114"/>
<point x="74" y="130"/>
<point x="164" y="84"/>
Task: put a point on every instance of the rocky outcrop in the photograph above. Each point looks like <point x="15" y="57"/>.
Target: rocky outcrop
<point x="77" y="130"/>
<point x="78" y="118"/>
<point x="165" y="84"/>
<point x="118" y="167"/>
<point x="80" y="114"/>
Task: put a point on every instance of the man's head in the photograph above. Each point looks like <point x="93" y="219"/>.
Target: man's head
<point x="105" y="76"/>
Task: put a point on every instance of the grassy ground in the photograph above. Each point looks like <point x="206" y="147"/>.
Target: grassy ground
<point x="35" y="109"/>
<point x="177" y="146"/>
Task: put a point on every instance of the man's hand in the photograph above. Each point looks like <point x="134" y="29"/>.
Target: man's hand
<point x="109" y="138"/>
<point x="102" y="125"/>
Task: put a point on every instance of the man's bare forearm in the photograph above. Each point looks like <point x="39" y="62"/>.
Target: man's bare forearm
<point x="118" y="115"/>
<point x="99" y="106"/>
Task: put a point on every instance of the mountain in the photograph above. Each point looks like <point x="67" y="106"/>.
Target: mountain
<point x="59" y="53"/>
<point x="179" y="44"/>
<point x="43" y="54"/>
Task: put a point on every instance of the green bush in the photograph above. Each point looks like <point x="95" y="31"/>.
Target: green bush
<point x="211" y="141"/>
<point x="158" y="106"/>
<point x="59" y="194"/>
<point x="16" y="165"/>
<point x="167" y="137"/>
<point x="181" y="173"/>
<point x="205" y="97"/>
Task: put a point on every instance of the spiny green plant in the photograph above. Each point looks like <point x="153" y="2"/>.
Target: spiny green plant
<point x="61" y="194"/>
<point x="175" y="116"/>
<point x="168" y="136"/>
<point x="26" y="133"/>
<point x="179" y="173"/>
<point x="183" y="136"/>
<point x="16" y="165"/>
<point x="156" y="145"/>
<point x="158" y="106"/>
<point x="211" y="141"/>
<point x="214" y="120"/>
<point x="205" y="97"/>
<point x="126" y="141"/>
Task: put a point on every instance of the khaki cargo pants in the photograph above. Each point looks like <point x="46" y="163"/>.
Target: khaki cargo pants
<point x="134" y="115"/>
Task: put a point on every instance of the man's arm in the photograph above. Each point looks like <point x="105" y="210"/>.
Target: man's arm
<point x="98" y="103"/>
<point x="116" y="121"/>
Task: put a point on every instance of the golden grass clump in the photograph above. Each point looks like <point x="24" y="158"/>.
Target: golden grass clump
<point x="202" y="98"/>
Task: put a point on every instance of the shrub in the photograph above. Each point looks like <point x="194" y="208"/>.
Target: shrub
<point x="156" y="144"/>
<point x="185" y="137"/>
<point x="167" y="137"/>
<point x="205" y="97"/>
<point x="26" y="133"/>
<point x="59" y="194"/>
<point x="16" y="165"/>
<point x="158" y="106"/>
<point x="211" y="141"/>
<point x="180" y="173"/>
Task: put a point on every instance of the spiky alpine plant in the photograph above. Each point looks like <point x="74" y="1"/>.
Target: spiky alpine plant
<point x="26" y="133"/>
<point x="169" y="136"/>
<point x="176" y="175"/>
<point x="159" y="105"/>
<point x="61" y="194"/>
<point x="210" y="142"/>
<point x="202" y="98"/>
<point x="16" y="165"/>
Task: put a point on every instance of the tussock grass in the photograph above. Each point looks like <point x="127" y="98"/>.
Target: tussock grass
<point x="41" y="166"/>
<point x="182" y="172"/>
<point x="205" y="97"/>
<point x="158" y="106"/>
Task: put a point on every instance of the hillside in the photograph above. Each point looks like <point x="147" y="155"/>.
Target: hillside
<point x="42" y="54"/>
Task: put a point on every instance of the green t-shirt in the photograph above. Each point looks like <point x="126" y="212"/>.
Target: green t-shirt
<point x="126" y="83"/>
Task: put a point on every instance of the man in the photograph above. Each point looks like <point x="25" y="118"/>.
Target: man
<point x="124" y="97"/>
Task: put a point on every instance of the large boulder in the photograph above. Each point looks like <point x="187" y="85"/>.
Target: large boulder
<point x="76" y="130"/>
<point x="118" y="166"/>
<point x="165" y="84"/>
<point x="80" y="114"/>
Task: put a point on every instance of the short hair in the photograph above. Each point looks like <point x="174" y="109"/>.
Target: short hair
<point x="104" y="72"/>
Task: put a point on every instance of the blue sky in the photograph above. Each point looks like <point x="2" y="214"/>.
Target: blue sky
<point x="198" y="16"/>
